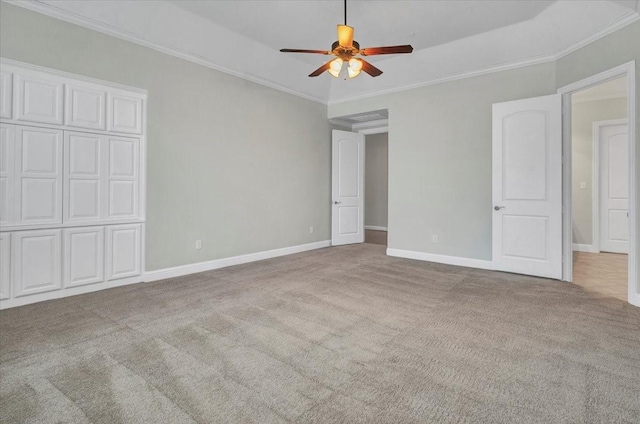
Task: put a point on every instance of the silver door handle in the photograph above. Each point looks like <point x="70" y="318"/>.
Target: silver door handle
<point x="335" y="202"/>
<point x="499" y="207"/>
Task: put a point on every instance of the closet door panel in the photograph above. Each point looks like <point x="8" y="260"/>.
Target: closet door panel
<point x="124" y="113"/>
<point x="85" y="107"/>
<point x="37" y="261"/>
<point x="6" y="94"/>
<point x="83" y="177"/>
<point x="123" y="183"/>
<point x="83" y="256"/>
<point x="5" y="265"/>
<point x="123" y="251"/>
<point x="39" y="99"/>
<point x="38" y="166"/>
<point x="7" y="181"/>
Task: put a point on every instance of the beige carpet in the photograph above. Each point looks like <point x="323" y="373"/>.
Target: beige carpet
<point x="336" y="335"/>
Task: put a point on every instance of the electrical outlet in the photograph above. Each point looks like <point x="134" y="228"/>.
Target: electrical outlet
<point x="434" y="239"/>
<point x="310" y="230"/>
<point x="198" y="244"/>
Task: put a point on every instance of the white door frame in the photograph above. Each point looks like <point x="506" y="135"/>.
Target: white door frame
<point x="595" y="181"/>
<point x="628" y="70"/>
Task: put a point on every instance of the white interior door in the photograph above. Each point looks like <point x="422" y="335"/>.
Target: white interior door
<point x="527" y="186"/>
<point x="347" y="192"/>
<point x="614" y="188"/>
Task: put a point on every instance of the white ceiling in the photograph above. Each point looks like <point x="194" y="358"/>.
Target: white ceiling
<point x="451" y="38"/>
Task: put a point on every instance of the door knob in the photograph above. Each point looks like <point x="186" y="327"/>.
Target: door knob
<point x="498" y="207"/>
<point x="335" y="202"/>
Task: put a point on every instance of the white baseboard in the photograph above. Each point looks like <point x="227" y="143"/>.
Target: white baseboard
<point x="441" y="259"/>
<point x="67" y="292"/>
<point x="583" y="248"/>
<point x="162" y="274"/>
<point x="179" y="271"/>
<point x="375" y="228"/>
<point x="634" y="299"/>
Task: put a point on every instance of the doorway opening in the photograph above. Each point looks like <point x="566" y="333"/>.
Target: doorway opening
<point x="600" y="188"/>
<point x="376" y="183"/>
<point x="600" y="177"/>
<point x="360" y="146"/>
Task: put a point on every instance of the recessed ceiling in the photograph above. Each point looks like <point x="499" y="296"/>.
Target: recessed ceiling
<point x="451" y="38"/>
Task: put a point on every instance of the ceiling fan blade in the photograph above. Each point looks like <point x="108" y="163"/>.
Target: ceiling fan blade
<point x="370" y="69"/>
<point x="370" y="51"/>
<point x="305" y="51"/>
<point x="321" y="69"/>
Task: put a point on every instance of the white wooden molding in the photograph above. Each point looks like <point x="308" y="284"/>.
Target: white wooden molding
<point x="68" y="291"/>
<point x="441" y="259"/>
<point x="375" y="228"/>
<point x="577" y="247"/>
<point x="182" y="270"/>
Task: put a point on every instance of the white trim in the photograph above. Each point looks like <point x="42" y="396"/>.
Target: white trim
<point x="370" y="124"/>
<point x="577" y="247"/>
<point x="68" y="291"/>
<point x="375" y="228"/>
<point x="614" y="26"/>
<point x="69" y="75"/>
<point x="179" y="271"/>
<point x="64" y="15"/>
<point x="629" y="70"/>
<point x="441" y="259"/>
<point x="595" y="178"/>
<point x="377" y="130"/>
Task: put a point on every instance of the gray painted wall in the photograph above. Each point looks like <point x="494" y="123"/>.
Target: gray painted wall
<point x="242" y="167"/>
<point x="376" y="180"/>
<point x="583" y="115"/>
<point x="440" y="158"/>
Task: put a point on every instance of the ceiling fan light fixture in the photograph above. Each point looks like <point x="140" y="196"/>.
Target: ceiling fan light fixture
<point x="345" y="35"/>
<point x="355" y="66"/>
<point x="335" y="67"/>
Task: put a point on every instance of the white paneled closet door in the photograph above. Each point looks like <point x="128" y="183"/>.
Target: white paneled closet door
<point x="83" y="177"/>
<point x="39" y="99"/>
<point x="83" y="256"/>
<point x="38" y="171"/>
<point x="85" y="107"/>
<point x="6" y="94"/>
<point x="72" y="184"/>
<point x="7" y="181"/>
<point x="37" y="261"/>
<point x="123" y="177"/>
<point x="123" y="251"/>
<point x="5" y="265"/>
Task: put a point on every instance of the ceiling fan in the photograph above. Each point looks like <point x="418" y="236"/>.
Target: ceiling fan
<point x="346" y="49"/>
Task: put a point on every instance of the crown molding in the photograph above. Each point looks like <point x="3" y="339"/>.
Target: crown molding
<point x="614" y="26"/>
<point x="63" y="15"/>
<point x="54" y="12"/>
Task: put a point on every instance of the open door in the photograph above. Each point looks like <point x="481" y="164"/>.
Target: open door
<point x="527" y="186"/>
<point x="347" y="188"/>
